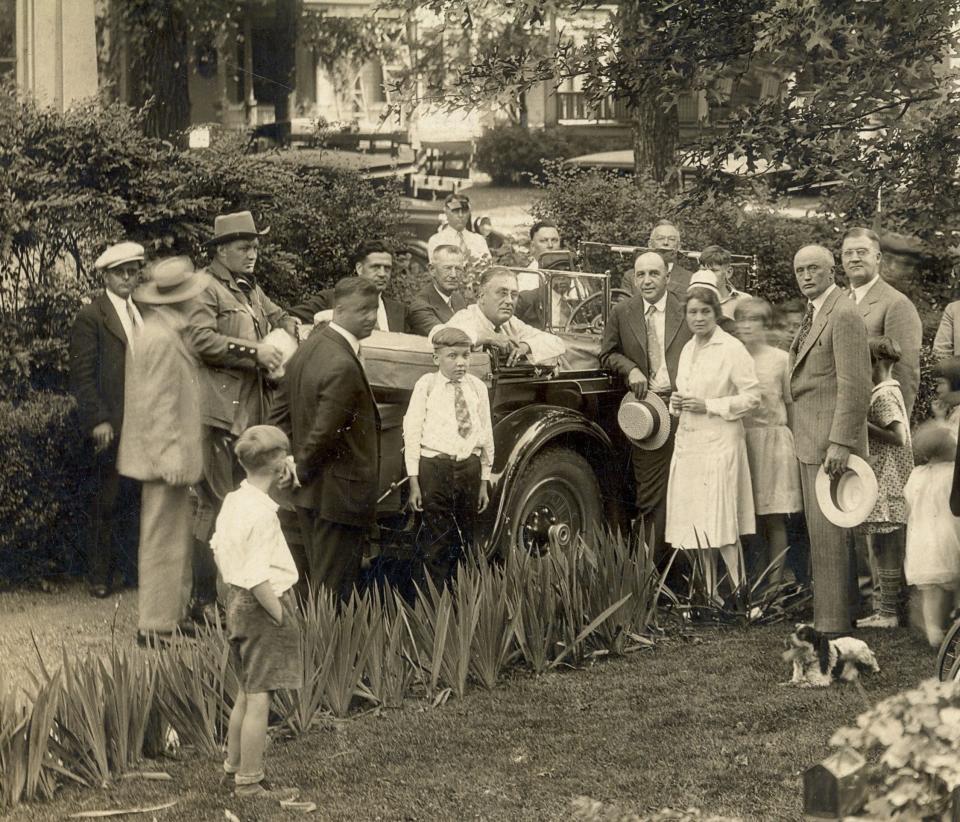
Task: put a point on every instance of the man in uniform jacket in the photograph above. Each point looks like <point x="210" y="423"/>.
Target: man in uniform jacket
<point x="327" y="407"/>
<point x="886" y="312"/>
<point x="373" y="261"/>
<point x="830" y="382"/>
<point x="101" y="335"/>
<point x="441" y="298"/>
<point x="227" y="324"/>
<point x="161" y="443"/>
<point x="653" y="317"/>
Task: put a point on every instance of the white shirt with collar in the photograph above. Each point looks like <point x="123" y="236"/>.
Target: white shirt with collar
<point x="817" y="302"/>
<point x="470" y="241"/>
<point x="430" y="425"/>
<point x="861" y="290"/>
<point x="354" y="342"/>
<point x="659" y="382"/>
<point x="382" y="315"/>
<point x="248" y="545"/>
<point x="124" y="308"/>
<point x="545" y="348"/>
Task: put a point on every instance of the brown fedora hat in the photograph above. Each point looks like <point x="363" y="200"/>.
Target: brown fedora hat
<point x="173" y="280"/>
<point x="238" y="226"/>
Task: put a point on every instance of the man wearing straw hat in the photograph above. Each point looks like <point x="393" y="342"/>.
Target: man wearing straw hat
<point x="227" y="325"/>
<point x="642" y="343"/>
<point x="101" y="336"/>
<point x="160" y="444"/>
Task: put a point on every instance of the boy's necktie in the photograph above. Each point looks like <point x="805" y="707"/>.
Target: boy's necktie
<point x="460" y="406"/>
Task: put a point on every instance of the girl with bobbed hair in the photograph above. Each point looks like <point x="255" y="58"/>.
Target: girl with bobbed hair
<point x="709" y="497"/>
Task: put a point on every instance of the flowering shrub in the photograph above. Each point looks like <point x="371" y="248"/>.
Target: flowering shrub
<point x="917" y="736"/>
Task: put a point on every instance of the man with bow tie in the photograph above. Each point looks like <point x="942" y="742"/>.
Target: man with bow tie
<point x="831" y="383"/>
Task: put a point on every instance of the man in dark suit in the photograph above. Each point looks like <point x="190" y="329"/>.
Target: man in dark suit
<point x="441" y="298"/>
<point x="642" y="342"/>
<point x="101" y="335"/>
<point x="530" y="304"/>
<point x="830" y="382"/>
<point x="886" y="312"/>
<point x="327" y="406"/>
<point x="373" y="261"/>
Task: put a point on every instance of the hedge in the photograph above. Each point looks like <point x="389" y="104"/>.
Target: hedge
<point x="513" y="155"/>
<point x="42" y="488"/>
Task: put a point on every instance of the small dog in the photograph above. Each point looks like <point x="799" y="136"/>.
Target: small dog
<point x="819" y="662"/>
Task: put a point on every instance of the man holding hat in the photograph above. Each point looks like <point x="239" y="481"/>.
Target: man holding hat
<point x="642" y="342"/>
<point x="226" y="327"/>
<point x="161" y="442"/>
<point x="102" y="334"/>
<point x="831" y="382"/>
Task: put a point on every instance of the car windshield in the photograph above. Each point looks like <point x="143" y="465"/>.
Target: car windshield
<point x="563" y="302"/>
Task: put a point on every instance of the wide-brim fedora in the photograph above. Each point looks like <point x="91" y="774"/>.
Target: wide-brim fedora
<point x="173" y="280"/>
<point x="646" y="422"/>
<point x="847" y="500"/>
<point x="238" y="226"/>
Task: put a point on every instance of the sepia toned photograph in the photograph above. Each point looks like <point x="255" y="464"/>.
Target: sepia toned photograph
<point x="480" y="409"/>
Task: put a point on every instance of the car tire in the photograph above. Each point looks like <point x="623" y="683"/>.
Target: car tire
<point x="558" y="487"/>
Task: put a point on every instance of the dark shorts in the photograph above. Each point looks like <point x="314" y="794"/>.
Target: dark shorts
<point x="266" y="655"/>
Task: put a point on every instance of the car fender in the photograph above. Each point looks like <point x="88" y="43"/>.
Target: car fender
<point x="519" y="437"/>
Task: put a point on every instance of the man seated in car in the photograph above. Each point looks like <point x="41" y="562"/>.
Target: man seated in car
<point x="491" y="321"/>
<point x="531" y="309"/>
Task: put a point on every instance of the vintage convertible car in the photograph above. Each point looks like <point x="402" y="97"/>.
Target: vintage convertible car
<point x="561" y="464"/>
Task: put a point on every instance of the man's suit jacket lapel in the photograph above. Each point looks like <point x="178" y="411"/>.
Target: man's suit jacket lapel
<point x="457" y="302"/>
<point x="110" y="319"/>
<point x="874" y="296"/>
<point x="819" y="323"/>
<point x="340" y="340"/>
<point x="673" y="320"/>
<point x="395" y="315"/>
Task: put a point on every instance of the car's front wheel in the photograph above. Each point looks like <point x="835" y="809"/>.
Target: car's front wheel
<point x="557" y="498"/>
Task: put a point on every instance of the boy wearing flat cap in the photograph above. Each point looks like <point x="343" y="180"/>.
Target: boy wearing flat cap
<point x="102" y="334"/>
<point x="448" y="447"/>
<point x="227" y="325"/>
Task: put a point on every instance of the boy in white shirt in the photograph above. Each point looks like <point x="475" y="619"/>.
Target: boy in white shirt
<point x="255" y="562"/>
<point x="448" y="447"/>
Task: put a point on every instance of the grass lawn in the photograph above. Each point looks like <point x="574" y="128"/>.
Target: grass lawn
<point x="697" y="722"/>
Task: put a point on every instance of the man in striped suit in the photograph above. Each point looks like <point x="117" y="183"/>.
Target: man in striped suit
<point x="830" y="382"/>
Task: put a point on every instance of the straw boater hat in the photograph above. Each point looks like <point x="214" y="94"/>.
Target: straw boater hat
<point x="239" y="226"/>
<point x="118" y="254"/>
<point x="646" y="422"/>
<point x="173" y="280"/>
<point x="847" y="500"/>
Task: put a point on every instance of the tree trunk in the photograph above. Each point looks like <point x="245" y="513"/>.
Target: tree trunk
<point x="656" y="137"/>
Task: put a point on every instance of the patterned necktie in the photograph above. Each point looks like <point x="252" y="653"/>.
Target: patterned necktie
<point x="463" y="413"/>
<point x="135" y="323"/>
<point x="805" y="326"/>
<point x="654" y="356"/>
<point x="462" y="242"/>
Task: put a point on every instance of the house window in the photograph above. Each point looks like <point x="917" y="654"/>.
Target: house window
<point x="8" y="40"/>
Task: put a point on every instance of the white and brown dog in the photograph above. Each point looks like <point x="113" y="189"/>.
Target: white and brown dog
<point x="819" y="661"/>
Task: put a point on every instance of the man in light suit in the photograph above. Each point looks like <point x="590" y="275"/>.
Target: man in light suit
<point x="886" y="312"/>
<point x="373" y="261"/>
<point x="441" y="298"/>
<point x="830" y="382"/>
<point x="161" y="443"/>
<point x="99" y="340"/>
<point x="327" y="406"/>
<point x="642" y="342"/>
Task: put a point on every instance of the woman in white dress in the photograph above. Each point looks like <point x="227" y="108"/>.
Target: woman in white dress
<point x="709" y="498"/>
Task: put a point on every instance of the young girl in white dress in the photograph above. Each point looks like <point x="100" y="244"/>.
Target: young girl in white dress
<point x="709" y="496"/>
<point x="933" y="533"/>
<point x="774" y="469"/>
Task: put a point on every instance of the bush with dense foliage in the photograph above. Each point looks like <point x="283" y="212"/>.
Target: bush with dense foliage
<point x="514" y="154"/>
<point x="74" y="182"/>
<point x="604" y="207"/>
<point x="42" y="487"/>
